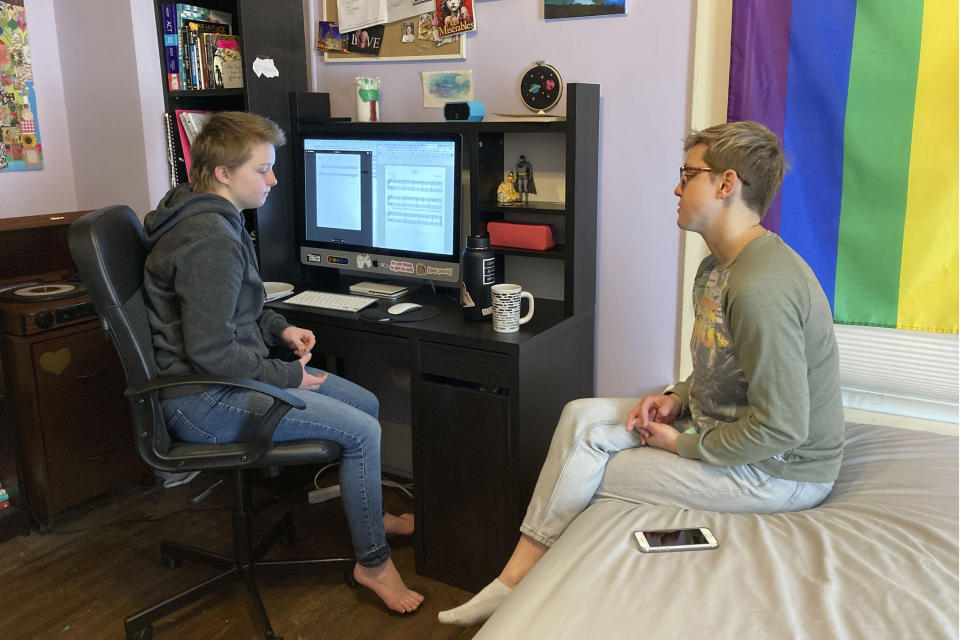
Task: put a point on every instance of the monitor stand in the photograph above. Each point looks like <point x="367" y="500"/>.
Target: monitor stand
<point x="378" y="289"/>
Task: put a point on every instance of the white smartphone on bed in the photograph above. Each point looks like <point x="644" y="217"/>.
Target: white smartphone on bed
<point x="675" y="540"/>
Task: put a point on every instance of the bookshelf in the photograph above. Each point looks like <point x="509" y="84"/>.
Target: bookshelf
<point x="272" y="30"/>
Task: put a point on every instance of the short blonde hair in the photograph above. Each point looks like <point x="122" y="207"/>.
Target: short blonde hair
<point x="750" y="149"/>
<point x="226" y="140"/>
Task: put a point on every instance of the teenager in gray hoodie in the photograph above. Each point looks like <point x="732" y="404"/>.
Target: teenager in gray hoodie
<point x="205" y="304"/>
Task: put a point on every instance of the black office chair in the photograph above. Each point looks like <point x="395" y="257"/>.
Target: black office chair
<point x="108" y="248"/>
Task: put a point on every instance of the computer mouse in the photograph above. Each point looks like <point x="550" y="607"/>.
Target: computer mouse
<point x="403" y="307"/>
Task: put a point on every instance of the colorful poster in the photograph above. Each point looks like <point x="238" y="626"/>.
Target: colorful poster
<point x="453" y="17"/>
<point x="864" y="95"/>
<point x="21" y="150"/>
<point x="581" y="8"/>
<point x="329" y="37"/>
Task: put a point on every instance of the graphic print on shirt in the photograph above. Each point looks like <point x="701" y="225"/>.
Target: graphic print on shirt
<point x="718" y="389"/>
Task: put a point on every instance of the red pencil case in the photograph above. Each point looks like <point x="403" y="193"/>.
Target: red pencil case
<point x="521" y="236"/>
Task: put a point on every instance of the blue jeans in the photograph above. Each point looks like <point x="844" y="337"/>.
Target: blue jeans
<point x="592" y="456"/>
<point x="339" y="410"/>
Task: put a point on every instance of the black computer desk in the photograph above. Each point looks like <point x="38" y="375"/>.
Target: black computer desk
<point x="484" y="406"/>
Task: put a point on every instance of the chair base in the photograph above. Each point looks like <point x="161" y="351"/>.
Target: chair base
<point x="241" y="568"/>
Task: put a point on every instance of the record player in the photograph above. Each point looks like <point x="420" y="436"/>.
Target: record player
<point x="43" y="302"/>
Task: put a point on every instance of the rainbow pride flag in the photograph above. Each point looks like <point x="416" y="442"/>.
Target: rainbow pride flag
<point x="864" y="95"/>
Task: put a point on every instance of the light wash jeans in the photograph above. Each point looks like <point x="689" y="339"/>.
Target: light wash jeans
<point x="592" y="455"/>
<point x="339" y="410"/>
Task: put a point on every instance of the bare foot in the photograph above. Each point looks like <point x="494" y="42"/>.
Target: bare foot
<point x="398" y="526"/>
<point x="389" y="586"/>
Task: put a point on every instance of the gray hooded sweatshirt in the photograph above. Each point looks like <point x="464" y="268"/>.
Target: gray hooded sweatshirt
<point x="205" y="296"/>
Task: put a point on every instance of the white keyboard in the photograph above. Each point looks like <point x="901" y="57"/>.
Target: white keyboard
<point x="331" y="301"/>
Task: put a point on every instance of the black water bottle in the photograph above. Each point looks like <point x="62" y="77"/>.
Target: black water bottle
<point x="479" y="271"/>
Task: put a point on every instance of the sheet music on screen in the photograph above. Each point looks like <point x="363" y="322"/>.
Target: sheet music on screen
<point x="389" y="194"/>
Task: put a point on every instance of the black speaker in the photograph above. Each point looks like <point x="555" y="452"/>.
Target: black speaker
<point x="309" y="107"/>
<point x="470" y="111"/>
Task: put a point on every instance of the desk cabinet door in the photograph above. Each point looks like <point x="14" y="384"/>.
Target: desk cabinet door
<point x="464" y="484"/>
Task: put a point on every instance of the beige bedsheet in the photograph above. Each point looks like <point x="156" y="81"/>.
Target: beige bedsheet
<point x="878" y="559"/>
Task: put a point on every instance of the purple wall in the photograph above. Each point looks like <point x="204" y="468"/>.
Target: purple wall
<point x="642" y="62"/>
<point x="51" y="190"/>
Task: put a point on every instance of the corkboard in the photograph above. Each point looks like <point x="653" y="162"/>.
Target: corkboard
<point x="393" y="47"/>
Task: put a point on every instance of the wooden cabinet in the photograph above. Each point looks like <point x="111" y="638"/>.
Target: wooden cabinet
<point x="271" y="30"/>
<point x="73" y="422"/>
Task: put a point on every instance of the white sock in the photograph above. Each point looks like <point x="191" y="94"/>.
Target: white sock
<point x="478" y="608"/>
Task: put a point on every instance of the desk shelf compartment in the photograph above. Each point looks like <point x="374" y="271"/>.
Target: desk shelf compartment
<point x="559" y="252"/>
<point x="565" y="171"/>
<point x="527" y="207"/>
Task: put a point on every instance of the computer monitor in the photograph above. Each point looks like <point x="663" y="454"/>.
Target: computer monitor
<point x="385" y="205"/>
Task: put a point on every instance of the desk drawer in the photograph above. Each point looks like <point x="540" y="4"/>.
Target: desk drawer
<point x="461" y="363"/>
<point x="349" y="343"/>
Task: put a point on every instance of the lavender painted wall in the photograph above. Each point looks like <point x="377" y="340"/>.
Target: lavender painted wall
<point x="51" y="190"/>
<point x="642" y="62"/>
<point x="112" y="150"/>
<point x="102" y="84"/>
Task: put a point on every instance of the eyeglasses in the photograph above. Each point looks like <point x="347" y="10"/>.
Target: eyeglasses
<point x="685" y="175"/>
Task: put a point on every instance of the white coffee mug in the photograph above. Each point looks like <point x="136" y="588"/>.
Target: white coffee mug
<point x="506" y="307"/>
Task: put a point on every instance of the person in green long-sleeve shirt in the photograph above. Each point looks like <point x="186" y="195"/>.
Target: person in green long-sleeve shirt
<point x="757" y="427"/>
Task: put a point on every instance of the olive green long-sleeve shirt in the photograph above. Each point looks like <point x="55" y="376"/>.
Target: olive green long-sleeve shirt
<point x="765" y="387"/>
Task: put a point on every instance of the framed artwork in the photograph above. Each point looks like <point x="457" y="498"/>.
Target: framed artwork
<point x="394" y="46"/>
<point x="582" y="8"/>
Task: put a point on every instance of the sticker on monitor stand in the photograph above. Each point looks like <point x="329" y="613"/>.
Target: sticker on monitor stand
<point x="364" y="261"/>
<point x="401" y="266"/>
<point x="437" y="271"/>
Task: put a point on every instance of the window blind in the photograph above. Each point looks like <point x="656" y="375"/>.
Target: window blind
<point x="906" y="373"/>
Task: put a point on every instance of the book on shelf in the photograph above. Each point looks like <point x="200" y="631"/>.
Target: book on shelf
<point x="208" y="47"/>
<point x="171" y="132"/>
<point x="195" y="118"/>
<point x="199" y="69"/>
<point x="168" y="15"/>
<point x="193" y="122"/>
<point x="182" y="26"/>
<point x="227" y="65"/>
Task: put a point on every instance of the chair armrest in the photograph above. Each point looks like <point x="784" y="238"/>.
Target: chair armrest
<point x="262" y="441"/>
<point x="203" y="379"/>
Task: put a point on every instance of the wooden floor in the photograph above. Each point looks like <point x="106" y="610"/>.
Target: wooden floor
<point x="101" y="562"/>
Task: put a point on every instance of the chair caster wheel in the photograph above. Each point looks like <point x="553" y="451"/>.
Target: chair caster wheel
<point x="169" y="562"/>
<point x="349" y="579"/>
<point x="143" y="633"/>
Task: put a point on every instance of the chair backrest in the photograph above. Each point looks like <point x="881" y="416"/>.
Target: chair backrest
<point x="108" y="249"/>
